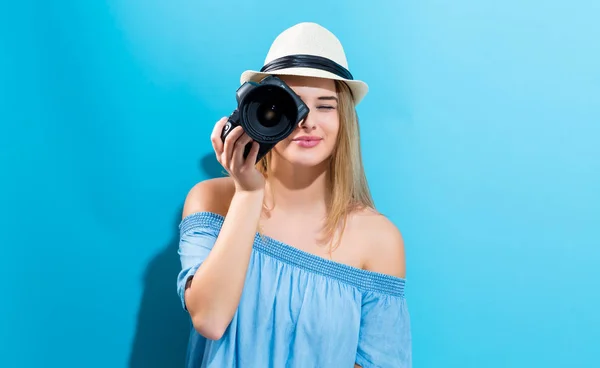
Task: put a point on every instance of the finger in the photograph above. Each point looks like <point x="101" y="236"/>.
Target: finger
<point x="251" y="159"/>
<point x="215" y="136"/>
<point x="230" y="140"/>
<point x="238" y="153"/>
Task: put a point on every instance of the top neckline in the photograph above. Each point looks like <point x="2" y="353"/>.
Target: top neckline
<point x="358" y="277"/>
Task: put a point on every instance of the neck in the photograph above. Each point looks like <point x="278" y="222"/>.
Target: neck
<point x="296" y="189"/>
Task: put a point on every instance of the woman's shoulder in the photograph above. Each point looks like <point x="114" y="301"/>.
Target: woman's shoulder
<point x="383" y="242"/>
<point x="211" y="195"/>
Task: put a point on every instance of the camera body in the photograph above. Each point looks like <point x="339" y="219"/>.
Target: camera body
<point x="268" y="111"/>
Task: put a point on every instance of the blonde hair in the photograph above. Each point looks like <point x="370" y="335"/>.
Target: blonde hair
<point x="347" y="179"/>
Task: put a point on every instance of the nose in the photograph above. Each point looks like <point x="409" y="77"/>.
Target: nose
<point x="307" y="123"/>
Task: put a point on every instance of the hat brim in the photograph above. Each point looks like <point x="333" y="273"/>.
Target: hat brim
<point x="359" y="88"/>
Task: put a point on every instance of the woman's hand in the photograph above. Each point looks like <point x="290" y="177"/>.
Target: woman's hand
<point x="230" y="155"/>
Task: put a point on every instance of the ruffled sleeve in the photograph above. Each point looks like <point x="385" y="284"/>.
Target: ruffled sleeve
<point x="384" y="337"/>
<point x="197" y="235"/>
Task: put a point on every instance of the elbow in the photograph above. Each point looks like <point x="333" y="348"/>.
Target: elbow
<point x="209" y="332"/>
<point x="207" y="319"/>
<point x="210" y="328"/>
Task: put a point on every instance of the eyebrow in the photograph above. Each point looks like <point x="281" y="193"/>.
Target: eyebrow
<point x="328" y="98"/>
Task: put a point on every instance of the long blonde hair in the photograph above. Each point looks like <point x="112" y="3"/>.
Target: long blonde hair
<point x="347" y="180"/>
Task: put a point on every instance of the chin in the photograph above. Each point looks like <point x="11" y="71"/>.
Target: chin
<point x="306" y="161"/>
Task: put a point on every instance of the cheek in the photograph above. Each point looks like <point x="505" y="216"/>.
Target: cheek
<point x="332" y="128"/>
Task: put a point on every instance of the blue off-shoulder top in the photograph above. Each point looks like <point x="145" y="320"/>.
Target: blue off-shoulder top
<point x="298" y="309"/>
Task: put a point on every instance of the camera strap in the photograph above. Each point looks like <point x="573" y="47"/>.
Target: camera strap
<point x="307" y="61"/>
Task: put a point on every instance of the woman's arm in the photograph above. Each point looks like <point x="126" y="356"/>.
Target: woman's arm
<point x="216" y="288"/>
<point x="385" y="337"/>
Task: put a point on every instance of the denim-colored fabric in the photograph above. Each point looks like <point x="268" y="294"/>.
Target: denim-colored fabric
<point x="298" y="309"/>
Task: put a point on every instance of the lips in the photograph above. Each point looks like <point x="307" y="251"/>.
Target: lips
<point x="307" y="141"/>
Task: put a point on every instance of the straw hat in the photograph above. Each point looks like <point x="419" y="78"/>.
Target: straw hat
<point x="308" y="49"/>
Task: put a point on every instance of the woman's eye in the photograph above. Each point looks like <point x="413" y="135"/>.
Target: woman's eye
<point x="326" y="107"/>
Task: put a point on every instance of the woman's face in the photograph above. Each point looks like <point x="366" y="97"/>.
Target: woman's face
<point x="314" y="139"/>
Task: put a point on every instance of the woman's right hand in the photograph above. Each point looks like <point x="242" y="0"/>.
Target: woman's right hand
<point x="230" y="155"/>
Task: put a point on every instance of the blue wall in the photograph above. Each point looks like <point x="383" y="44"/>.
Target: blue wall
<point x="481" y="136"/>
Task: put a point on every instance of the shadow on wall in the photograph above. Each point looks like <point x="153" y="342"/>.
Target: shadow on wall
<point x="163" y="326"/>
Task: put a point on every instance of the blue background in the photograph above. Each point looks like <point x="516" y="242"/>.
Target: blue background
<point x="481" y="138"/>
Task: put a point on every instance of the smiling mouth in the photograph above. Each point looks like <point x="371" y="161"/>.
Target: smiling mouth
<point x="307" y="142"/>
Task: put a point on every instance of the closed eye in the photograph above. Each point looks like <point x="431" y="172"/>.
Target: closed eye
<point x="326" y="107"/>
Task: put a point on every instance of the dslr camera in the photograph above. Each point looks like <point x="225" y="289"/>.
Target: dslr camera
<point x="268" y="111"/>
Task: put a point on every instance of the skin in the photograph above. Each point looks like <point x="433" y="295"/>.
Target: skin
<point x="297" y="187"/>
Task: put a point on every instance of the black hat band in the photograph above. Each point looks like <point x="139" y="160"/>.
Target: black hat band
<point x="307" y="61"/>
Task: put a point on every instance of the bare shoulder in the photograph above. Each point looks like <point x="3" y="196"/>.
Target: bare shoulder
<point x="211" y="195"/>
<point x="384" y="244"/>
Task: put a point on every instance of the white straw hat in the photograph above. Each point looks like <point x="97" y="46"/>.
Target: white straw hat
<point x="308" y="49"/>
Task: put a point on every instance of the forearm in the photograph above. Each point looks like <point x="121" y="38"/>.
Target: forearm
<point x="216" y="288"/>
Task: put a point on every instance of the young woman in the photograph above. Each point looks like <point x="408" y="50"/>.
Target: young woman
<point x="321" y="283"/>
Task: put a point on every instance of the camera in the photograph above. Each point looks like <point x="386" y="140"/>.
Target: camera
<point x="268" y="111"/>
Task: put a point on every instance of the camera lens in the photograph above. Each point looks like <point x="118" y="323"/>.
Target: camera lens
<point x="268" y="114"/>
